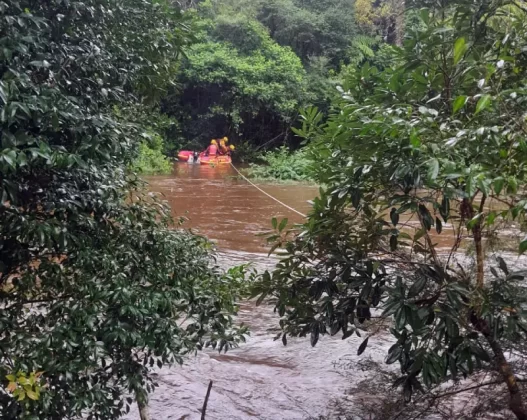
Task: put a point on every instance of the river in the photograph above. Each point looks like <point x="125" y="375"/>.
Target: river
<point x="261" y="379"/>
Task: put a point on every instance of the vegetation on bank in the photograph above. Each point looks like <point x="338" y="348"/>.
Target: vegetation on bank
<point x="151" y="159"/>
<point x="283" y="165"/>
<point x="254" y="64"/>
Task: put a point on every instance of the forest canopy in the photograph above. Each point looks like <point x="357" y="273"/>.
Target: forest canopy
<point x="256" y="63"/>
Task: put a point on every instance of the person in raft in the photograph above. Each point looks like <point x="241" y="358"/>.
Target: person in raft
<point x="223" y="149"/>
<point x="212" y="150"/>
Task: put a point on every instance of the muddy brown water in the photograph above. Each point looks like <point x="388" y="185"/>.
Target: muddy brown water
<point x="261" y="379"/>
<point x="226" y="209"/>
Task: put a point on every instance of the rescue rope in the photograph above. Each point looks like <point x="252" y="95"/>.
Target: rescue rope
<point x="267" y="194"/>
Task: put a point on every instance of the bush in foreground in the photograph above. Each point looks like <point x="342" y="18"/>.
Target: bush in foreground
<point x="96" y="286"/>
<point x="420" y="160"/>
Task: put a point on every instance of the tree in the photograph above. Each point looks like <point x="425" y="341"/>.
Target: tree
<point x="384" y="18"/>
<point x="96" y="285"/>
<point x="411" y="154"/>
<point x="237" y="80"/>
<point x="311" y="28"/>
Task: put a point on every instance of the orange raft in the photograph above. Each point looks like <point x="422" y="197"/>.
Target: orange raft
<point x="184" y="156"/>
<point x="214" y="160"/>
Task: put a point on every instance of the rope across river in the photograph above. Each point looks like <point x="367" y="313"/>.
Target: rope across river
<point x="267" y="194"/>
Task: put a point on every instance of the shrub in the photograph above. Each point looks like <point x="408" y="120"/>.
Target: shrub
<point x="96" y="285"/>
<point x="151" y="159"/>
<point x="282" y="164"/>
<point x="411" y="156"/>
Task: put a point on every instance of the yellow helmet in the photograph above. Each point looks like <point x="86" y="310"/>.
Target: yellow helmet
<point x="214" y="142"/>
<point x="232" y="147"/>
<point x="225" y="139"/>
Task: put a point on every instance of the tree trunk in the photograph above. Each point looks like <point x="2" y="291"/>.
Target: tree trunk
<point x="468" y="209"/>
<point x="503" y="367"/>
<point x="400" y="22"/>
<point x="142" y="405"/>
<point x="480" y="257"/>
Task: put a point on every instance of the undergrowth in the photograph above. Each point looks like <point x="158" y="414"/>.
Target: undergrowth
<point x="151" y="159"/>
<point x="284" y="165"/>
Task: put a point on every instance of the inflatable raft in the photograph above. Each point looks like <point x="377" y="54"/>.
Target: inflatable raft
<point x="184" y="156"/>
<point x="214" y="160"/>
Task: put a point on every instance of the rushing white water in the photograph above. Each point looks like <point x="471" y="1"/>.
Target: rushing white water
<point x="262" y="379"/>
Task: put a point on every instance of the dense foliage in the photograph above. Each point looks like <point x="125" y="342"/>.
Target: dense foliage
<point x="422" y="159"/>
<point x="94" y="282"/>
<point x="281" y="164"/>
<point x="257" y="62"/>
<point x="237" y="80"/>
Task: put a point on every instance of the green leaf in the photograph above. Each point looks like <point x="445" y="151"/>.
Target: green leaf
<point x="459" y="103"/>
<point x="274" y="222"/>
<point x="10" y="158"/>
<point x="433" y="169"/>
<point x="261" y="299"/>
<point x="419" y="234"/>
<point x="31" y="394"/>
<point x="444" y="208"/>
<point x="3" y="94"/>
<point x="417" y="287"/>
<point x="283" y="224"/>
<point x="394" y="355"/>
<point x="394" y="216"/>
<point x="498" y="184"/>
<point x="483" y="103"/>
<point x="363" y="346"/>
<point x="315" y="334"/>
<point x="355" y="197"/>
<point x="503" y="265"/>
<point x="512" y="185"/>
<point x="474" y="221"/>
<point x="393" y="242"/>
<point x="484" y="186"/>
<point x="414" y="140"/>
<point x="523" y="246"/>
<point x="460" y="47"/>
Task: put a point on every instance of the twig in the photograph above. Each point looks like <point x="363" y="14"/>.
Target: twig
<point x="204" y="409"/>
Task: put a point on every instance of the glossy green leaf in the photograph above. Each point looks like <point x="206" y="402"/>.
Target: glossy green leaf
<point x="498" y="184"/>
<point x="439" y="225"/>
<point x="394" y="216"/>
<point x="433" y="169"/>
<point x="460" y="47"/>
<point x="523" y="246"/>
<point x="483" y="103"/>
<point x="459" y="103"/>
